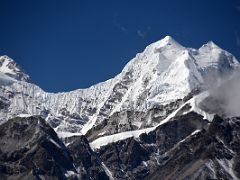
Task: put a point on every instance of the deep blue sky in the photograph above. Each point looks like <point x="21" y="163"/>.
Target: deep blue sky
<point x="69" y="44"/>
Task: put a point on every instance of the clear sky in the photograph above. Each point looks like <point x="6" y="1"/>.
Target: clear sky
<point x="69" y="44"/>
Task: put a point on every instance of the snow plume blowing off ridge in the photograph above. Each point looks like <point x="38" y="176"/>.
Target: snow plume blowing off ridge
<point x="224" y="99"/>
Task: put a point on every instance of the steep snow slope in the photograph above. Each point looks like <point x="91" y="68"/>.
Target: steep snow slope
<point x="10" y="68"/>
<point x="162" y="74"/>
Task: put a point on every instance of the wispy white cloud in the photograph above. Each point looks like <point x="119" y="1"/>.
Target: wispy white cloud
<point x="143" y="33"/>
<point x="119" y="25"/>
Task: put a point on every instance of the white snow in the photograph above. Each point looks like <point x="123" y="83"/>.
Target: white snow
<point x="55" y="143"/>
<point x="4" y="62"/>
<point x="194" y="132"/>
<point x="209" y="55"/>
<point x="91" y="122"/>
<point x="102" y="141"/>
<point x="102" y="133"/>
<point x="108" y="172"/>
<point x="25" y="115"/>
<point x="63" y="135"/>
<point x="227" y="165"/>
<point x="69" y="174"/>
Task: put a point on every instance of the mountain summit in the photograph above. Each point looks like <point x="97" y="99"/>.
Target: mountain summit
<point x="10" y="68"/>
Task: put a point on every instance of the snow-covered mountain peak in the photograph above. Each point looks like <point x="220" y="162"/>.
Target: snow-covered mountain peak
<point x="10" y="68"/>
<point x="5" y="61"/>
<point x="166" y="43"/>
<point x="164" y="73"/>
<point x="5" y="64"/>
<point x="168" y="38"/>
<point x="165" y="40"/>
<point x="211" y="45"/>
<point x="167" y="71"/>
<point x="162" y="52"/>
<point x="211" y="56"/>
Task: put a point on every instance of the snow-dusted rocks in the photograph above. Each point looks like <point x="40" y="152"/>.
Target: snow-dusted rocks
<point x="31" y="149"/>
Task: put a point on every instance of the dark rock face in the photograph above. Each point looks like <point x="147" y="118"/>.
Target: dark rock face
<point x="124" y="157"/>
<point x="137" y="158"/>
<point x="83" y="156"/>
<point x="30" y="149"/>
<point x="187" y="147"/>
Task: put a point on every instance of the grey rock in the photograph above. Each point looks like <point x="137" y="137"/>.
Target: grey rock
<point x="30" y="149"/>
